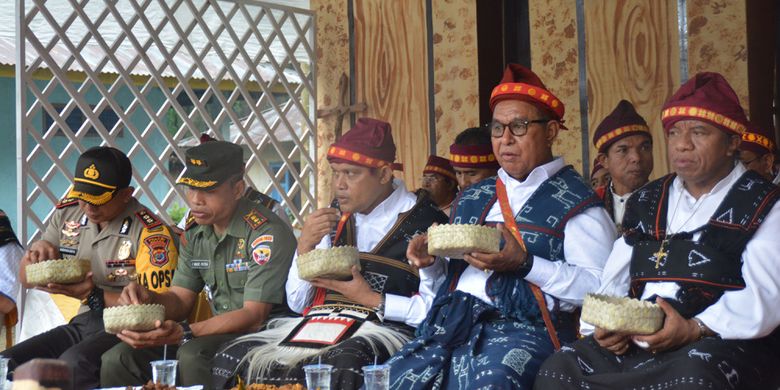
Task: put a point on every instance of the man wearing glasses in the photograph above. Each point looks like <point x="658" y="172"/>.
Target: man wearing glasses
<point x="498" y="316"/>
<point x="440" y="182"/>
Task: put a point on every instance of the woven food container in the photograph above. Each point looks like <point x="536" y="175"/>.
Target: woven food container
<point x="453" y="240"/>
<point x="62" y="271"/>
<point x="132" y="317"/>
<point x="331" y="263"/>
<point x="622" y="314"/>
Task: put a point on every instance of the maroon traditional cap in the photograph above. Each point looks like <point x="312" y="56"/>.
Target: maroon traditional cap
<point x="205" y="137"/>
<point x="622" y="122"/>
<point x="439" y="165"/>
<point x="369" y="143"/>
<point x="520" y="83"/>
<point x="473" y="156"/>
<point x="596" y="167"/>
<point x="758" y="139"/>
<point x="706" y="97"/>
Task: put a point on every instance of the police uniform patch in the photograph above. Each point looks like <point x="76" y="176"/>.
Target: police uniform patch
<point x="261" y="239"/>
<point x="148" y="219"/>
<point x="126" y="223"/>
<point x="66" y="202"/>
<point x="261" y="254"/>
<point x="254" y="219"/>
<point x="158" y="248"/>
<point x="200" y="264"/>
<point x="123" y="253"/>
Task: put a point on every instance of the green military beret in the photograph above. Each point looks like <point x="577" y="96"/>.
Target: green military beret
<point x="208" y="165"/>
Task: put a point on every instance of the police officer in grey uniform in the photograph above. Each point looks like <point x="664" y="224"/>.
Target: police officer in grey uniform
<point x="101" y="221"/>
<point x="239" y="250"/>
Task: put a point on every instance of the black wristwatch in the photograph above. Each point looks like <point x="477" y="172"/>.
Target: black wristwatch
<point x="185" y="326"/>
<point x="96" y="300"/>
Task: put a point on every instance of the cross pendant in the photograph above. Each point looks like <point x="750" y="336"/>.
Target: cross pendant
<point x="660" y="254"/>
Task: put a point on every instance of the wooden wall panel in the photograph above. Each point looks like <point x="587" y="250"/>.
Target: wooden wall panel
<point x="456" y="71"/>
<point x="554" y="58"/>
<point x="632" y="53"/>
<point x="717" y="42"/>
<point x="391" y="73"/>
<point x="332" y="60"/>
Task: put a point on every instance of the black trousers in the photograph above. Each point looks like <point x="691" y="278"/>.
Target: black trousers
<point x="80" y="343"/>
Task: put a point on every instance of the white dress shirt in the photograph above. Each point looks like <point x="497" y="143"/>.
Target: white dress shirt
<point x="588" y="240"/>
<point x="619" y="205"/>
<point x="741" y="314"/>
<point x="10" y="256"/>
<point x="371" y="229"/>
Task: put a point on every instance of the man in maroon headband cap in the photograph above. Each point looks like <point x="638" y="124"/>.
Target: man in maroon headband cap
<point x="472" y="156"/>
<point x="757" y="151"/>
<point x="599" y="176"/>
<point x="499" y="315"/>
<point x="439" y="181"/>
<point x="348" y="324"/>
<point x="702" y="244"/>
<point x="626" y="150"/>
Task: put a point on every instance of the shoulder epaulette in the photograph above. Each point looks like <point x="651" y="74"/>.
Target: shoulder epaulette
<point x="254" y="219"/>
<point x="261" y="198"/>
<point x="148" y="219"/>
<point x="190" y="223"/>
<point x="66" y="202"/>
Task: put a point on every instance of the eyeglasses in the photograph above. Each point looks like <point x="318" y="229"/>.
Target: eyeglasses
<point x="430" y="179"/>
<point x="518" y="127"/>
<point x="746" y="163"/>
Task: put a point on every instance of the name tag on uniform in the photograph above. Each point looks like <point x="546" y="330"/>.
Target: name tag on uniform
<point x="199" y="264"/>
<point x="67" y="251"/>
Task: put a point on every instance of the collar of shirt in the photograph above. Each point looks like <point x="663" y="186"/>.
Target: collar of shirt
<point x="692" y="213"/>
<point x="237" y="226"/>
<point x="520" y="191"/>
<point x="115" y="224"/>
<point x="618" y="198"/>
<point x="372" y="227"/>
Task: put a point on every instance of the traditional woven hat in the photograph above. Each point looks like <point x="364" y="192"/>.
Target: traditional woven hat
<point x="369" y="143"/>
<point x="622" y="122"/>
<point x="759" y="139"/>
<point x="706" y="97"/>
<point x="520" y="83"/>
<point x="622" y="314"/>
<point x="439" y="165"/>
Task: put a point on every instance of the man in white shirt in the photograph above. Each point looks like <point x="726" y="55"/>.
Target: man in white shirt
<point x="498" y="316"/>
<point x="626" y="150"/>
<point x="702" y="244"/>
<point x="347" y="324"/>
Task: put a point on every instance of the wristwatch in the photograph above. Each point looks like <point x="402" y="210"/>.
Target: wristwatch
<point x="380" y="309"/>
<point x="95" y="300"/>
<point x="185" y="326"/>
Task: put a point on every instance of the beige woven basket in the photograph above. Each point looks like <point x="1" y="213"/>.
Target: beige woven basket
<point x="331" y="263"/>
<point x="62" y="271"/>
<point x="132" y="317"/>
<point x="622" y="314"/>
<point x="453" y="240"/>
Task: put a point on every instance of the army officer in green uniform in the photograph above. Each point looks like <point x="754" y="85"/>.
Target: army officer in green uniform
<point x="237" y="248"/>
<point x="100" y="221"/>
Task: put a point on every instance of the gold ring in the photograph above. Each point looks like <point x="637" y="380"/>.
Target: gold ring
<point x="487" y="271"/>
